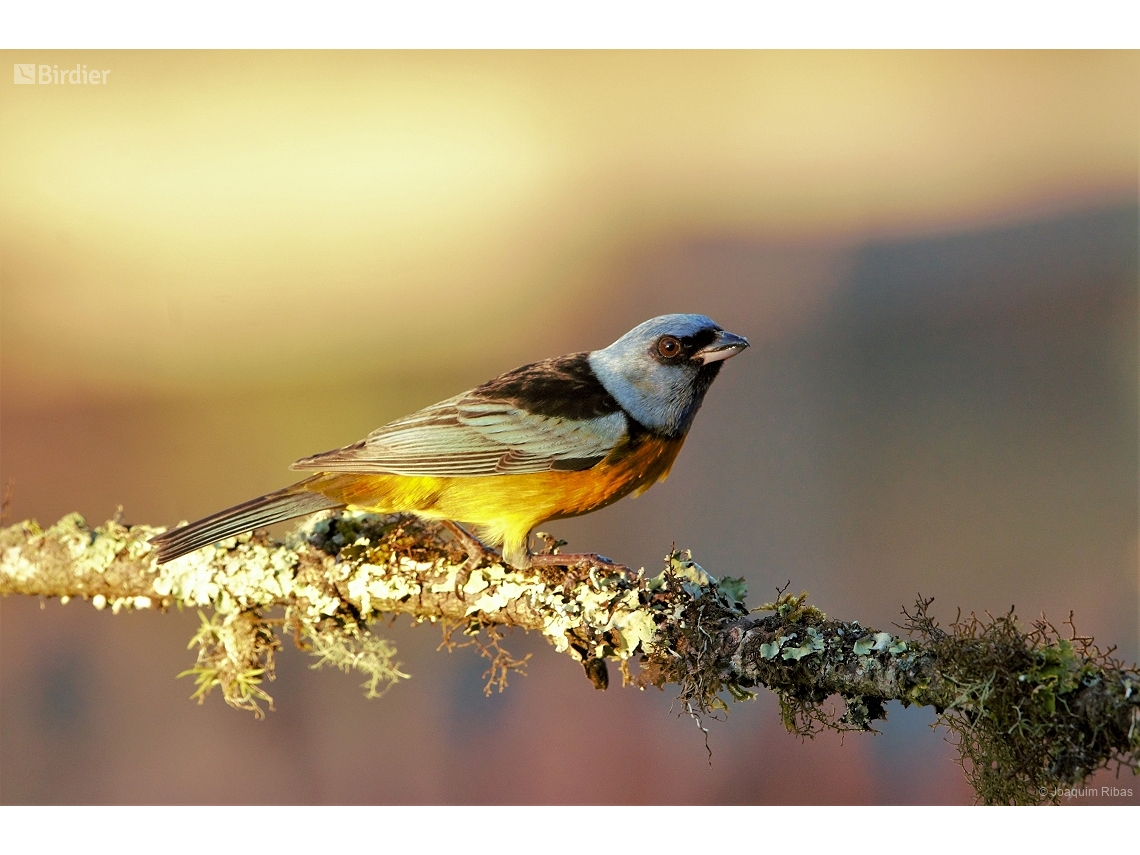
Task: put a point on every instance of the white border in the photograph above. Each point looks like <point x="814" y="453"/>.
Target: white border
<point x="579" y="24"/>
<point x="567" y="830"/>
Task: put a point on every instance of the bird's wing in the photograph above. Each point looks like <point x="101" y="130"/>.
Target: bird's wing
<point x="473" y="434"/>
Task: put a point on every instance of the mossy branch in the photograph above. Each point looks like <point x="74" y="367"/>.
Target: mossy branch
<point x="1031" y="710"/>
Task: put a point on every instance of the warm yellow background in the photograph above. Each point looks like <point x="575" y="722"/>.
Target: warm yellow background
<point x="159" y="230"/>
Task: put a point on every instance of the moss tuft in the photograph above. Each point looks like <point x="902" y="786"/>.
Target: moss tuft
<point x="1022" y="713"/>
<point x="357" y="650"/>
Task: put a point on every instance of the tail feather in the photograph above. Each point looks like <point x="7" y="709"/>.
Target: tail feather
<point x="262" y="511"/>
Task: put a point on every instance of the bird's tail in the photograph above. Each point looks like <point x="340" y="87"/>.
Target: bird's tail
<point x="281" y="505"/>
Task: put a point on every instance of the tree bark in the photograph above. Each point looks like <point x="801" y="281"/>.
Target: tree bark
<point x="1031" y="710"/>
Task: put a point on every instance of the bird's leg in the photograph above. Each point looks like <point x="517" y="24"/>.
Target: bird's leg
<point x="575" y="567"/>
<point x="473" y="546"/>
<point x="571" y="559"/>
<point x="551" y="557"/>
<point x="477" y="552"/>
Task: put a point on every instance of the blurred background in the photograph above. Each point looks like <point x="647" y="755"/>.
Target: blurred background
<point x="220" y="262"/>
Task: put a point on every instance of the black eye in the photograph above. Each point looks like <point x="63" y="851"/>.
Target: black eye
<point x="668" y="347"/>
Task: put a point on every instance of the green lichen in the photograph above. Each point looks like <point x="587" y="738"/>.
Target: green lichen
<point x="771" y="648"/>
<point x="733" y="587"/>
<point x="813" y="643"/>
<point x="692" y="613"/>
<point x="1020" y="711"/>
<point x="883" y="640"/>
<point x="793" y="609"/>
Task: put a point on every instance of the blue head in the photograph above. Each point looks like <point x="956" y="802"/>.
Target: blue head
<point x="660" y="370"/>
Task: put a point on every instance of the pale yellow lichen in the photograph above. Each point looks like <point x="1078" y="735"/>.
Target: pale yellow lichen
<point x="697" y="580"/>
<point x="16" y="566"/>
<point x="190" y="579"/>
<point x="372" y="582"/>
<point x="476" y="582"/>
<point x="72" y="532"/>
<point x="499" y="596"/>
<point x="239" y="574"/>
<point x="448" y="584"/>
<point x="635" y="629"/>
<point x="139" y="545"/>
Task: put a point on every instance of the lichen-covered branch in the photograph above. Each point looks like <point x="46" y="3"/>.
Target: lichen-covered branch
<point x="1031" y="710"/>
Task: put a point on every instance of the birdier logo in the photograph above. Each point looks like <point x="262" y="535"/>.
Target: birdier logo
<point x="81" y="75"/>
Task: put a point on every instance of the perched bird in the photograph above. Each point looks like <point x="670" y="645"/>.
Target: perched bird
<point x="555" y="439"/>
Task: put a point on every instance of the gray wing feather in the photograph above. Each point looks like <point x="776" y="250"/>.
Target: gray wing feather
<point x="469" y="435"/>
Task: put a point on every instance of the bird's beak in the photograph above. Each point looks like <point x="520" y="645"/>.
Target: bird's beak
<point x="725" y="346"/>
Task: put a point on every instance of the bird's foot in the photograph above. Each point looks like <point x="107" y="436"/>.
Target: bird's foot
<point x="572" y="568"/>
<point x="477" y="553"/>
<point x="571" y="559"/>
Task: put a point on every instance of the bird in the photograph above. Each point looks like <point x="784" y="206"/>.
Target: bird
<point x="554" y="439"/>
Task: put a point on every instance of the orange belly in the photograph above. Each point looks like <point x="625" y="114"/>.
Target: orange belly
<point x="505" y="508"/>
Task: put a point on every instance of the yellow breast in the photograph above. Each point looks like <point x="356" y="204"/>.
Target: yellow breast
<point x="507" y="507"/>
